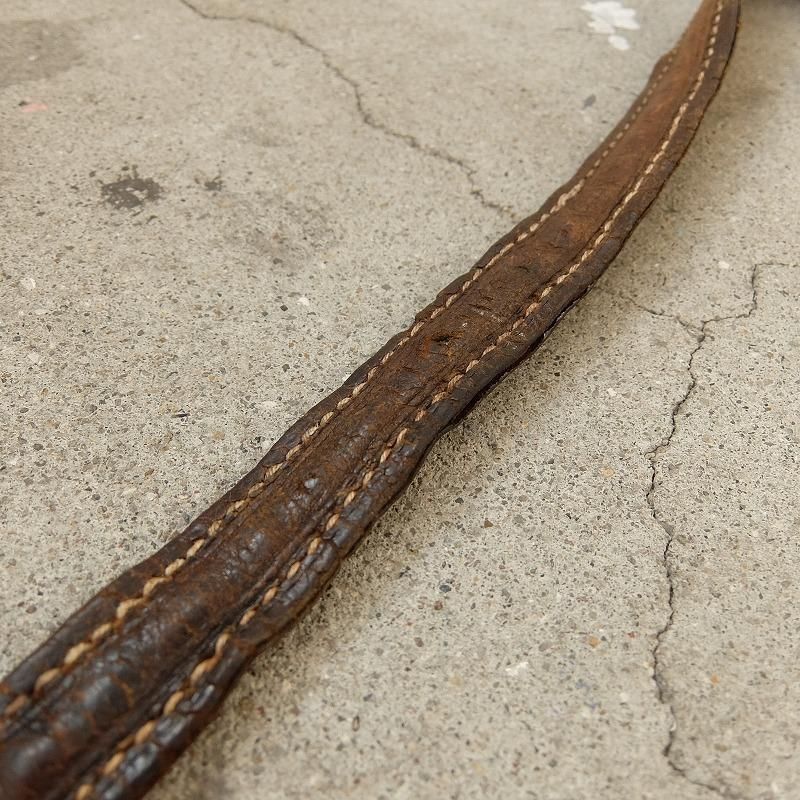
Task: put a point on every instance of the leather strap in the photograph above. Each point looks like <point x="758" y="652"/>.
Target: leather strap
<point x="104" y="707"/>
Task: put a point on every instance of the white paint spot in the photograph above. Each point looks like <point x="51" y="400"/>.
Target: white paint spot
<point x="724" y="265"/>
<point x="619" y="42"/>
<point x="610" y="14"/>
<point x="611" y="392"/>
<point x="28" y="283"/>
<point x="607" y="16"/>
<point x="303" y="300"/>
<point x="518" y="669"/>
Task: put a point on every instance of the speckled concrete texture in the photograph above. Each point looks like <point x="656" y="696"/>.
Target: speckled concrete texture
<point x="213" y="211"/>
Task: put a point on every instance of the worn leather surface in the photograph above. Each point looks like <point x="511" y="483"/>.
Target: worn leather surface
<point x="107" y="704"/>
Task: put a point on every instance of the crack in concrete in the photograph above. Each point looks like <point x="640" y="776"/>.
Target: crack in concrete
<point x="693" y="329"/>
<point x="366" y="115"/>
<point x="659" y="677"/>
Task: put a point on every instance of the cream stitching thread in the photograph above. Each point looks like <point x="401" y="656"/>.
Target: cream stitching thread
<point x="103" y="630"/>
<point x="144" y="732"/>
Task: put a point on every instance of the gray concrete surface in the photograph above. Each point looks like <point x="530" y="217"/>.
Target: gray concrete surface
<point x="213" y="212"/>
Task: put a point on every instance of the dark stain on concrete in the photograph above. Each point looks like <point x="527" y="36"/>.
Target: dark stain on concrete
<point x="31" y="50"/>
<point x="214" y="185"/>
<point x="130" y="191"/>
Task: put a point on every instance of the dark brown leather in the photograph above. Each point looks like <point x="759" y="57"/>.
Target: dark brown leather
<point x="107" y="704"/>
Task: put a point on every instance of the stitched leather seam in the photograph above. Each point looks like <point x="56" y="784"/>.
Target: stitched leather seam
<point x="102" y="631"/>
<point x="144" y="733"/>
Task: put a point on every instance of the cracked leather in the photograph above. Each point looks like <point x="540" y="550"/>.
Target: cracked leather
<point x="104" y="707"/>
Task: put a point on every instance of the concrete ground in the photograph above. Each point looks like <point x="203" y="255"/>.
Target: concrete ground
<point x="212" y="212"/>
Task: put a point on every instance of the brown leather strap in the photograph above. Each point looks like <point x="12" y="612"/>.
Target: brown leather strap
<point x="107" y="704"/>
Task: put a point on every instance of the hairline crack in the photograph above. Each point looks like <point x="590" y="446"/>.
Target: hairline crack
<point x="367" y="117"/>
<point x="700" y="333"/>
